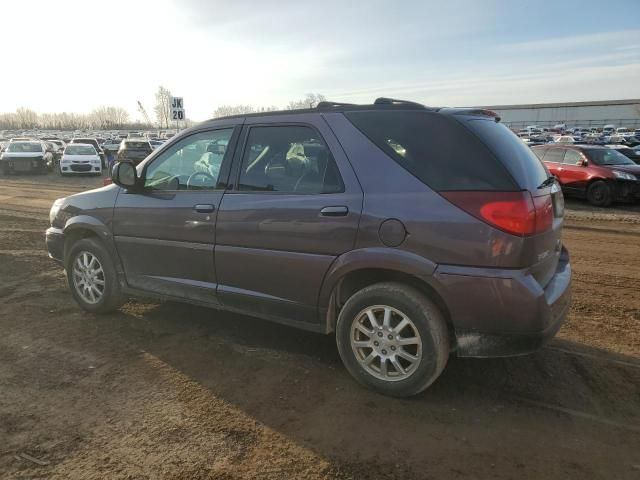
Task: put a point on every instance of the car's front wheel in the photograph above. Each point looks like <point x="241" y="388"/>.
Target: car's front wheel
<point x="92" y="276"/>
<point x="599" y="194"/>
<point x="393" y="339"/>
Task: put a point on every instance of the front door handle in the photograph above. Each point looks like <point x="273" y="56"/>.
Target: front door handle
<point x="204" y="208"/>
<point x="340" y="211"/>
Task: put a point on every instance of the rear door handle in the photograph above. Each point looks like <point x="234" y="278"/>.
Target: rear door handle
<point x="340" y="211"/>
<point x="204" y="208"/>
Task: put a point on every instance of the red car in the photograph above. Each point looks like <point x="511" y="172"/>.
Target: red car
<point x="601" y="175"/>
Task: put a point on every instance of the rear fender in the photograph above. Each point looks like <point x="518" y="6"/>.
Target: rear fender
<point x="373" y="258"/>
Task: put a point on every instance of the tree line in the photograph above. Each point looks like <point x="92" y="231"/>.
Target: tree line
<point x="105" y="117"/>
<point x="111" y="117"/>
<point x="309" y="101"/>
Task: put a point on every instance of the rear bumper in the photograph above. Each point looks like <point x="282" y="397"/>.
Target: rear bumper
<point x="54" y="239"/>
<point x="500" y="313"/>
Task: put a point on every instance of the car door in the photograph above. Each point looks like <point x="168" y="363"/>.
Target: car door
<point x="165" y="234"/>
<point x="575" y="172"/>
<point x="293" y="208"/>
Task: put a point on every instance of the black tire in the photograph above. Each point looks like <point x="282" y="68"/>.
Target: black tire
<point x="599" y="194"/>
<point x="427" y="319"/>
<point x="111" y="297"/>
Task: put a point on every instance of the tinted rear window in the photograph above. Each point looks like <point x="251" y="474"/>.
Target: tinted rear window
<point x="517" y="157"/>
<point x="436" y="149"/>
<point x="137" y="146"/>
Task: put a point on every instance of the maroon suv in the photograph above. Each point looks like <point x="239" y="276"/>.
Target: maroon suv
<point x="599" y="174"/>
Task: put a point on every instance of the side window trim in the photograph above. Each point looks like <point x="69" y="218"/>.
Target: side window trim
<point x="238" y="157"/>
<point x="225" y="168"/>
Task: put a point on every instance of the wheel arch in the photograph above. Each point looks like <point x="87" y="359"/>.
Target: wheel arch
<point x="358" y="269"/>
<point x="85" y="226"/>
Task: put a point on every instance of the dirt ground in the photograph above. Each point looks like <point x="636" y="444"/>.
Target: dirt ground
<point x="163" y="390"/>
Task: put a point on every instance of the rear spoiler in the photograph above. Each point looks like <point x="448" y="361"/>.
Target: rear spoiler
<point x="483" y="112"/>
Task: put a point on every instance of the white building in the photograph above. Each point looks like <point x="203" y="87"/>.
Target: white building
<point x="621" y="113"/>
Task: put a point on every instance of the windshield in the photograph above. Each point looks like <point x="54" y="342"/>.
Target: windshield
<point x="24" y="147"/>
<point x="80" y="149"/>
<point x="608" y="157"/>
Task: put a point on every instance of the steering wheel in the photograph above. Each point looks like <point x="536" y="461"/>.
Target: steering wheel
<point x="195" y="175"/>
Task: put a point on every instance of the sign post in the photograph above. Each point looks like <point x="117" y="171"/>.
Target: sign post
<point x="177" y="110"/>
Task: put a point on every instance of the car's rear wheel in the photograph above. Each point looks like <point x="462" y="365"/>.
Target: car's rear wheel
<point x="599" y="194"/>
<point x="92" y="276"/>
<point x="392" y="339"/>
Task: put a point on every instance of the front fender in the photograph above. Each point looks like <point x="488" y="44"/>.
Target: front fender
<point x="375" y="257"/>
<point x="88" y="223"/>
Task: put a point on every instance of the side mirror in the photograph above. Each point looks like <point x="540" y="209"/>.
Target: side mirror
<point x="582" y="163"/>
<point x="124" y="175"/>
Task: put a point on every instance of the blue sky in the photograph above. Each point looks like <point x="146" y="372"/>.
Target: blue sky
<point x="454" y="52"/>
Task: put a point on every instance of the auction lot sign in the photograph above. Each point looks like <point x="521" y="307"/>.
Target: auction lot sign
<point x="177" y="108"/>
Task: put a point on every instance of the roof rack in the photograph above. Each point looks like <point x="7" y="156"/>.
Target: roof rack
<point x="395" y="101"/>
<point x="328" y="104"/>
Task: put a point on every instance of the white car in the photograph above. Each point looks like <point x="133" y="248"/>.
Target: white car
<point x="80" y="158"/>
<point x="564" y="139"/>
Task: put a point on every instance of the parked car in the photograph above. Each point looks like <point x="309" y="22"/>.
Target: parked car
<point x="134" y="150"/>
<point x="156" y="143"/>
<point x="80" y="158"/>
<point x="93" y="142"/>
<point x="564" y="139"/>
<point x="112" y="145"/>
<point x="408" y="231"/>
<point x="601" y="175"/>
<point x="609" y="129"/>
<point x="25" y="156"/>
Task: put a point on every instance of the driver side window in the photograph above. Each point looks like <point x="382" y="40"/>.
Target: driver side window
<point x="193" y="163"/>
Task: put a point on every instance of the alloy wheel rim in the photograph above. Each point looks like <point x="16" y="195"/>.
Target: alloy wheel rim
<point x="386" y="343"/>
<point x="88" y="277"/>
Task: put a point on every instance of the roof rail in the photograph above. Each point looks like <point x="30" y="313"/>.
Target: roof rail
<point x="395" y="101"/>
<point x="329" y="104"/>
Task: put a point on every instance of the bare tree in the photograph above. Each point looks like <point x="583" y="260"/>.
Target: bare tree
<point x="108" y="117"/>
<point x="163" y="107"/>
<point x="227" y="110"/>
<point x="100" y="118"/>
<point x="27" y="118"/>
<point x="309" y="101"/>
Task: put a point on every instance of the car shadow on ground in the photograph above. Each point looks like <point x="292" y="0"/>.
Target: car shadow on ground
<point x="294" y="382"/>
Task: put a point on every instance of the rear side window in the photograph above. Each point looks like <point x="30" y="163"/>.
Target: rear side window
<point x="539" y="152"/>
<point x="436" y="149"/>
<point x="555" y="155"/>
<point x="288" y="159"/>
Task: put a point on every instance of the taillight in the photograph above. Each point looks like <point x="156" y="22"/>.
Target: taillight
<point x="517" y="213"/>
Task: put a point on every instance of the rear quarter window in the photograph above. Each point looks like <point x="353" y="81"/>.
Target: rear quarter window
<point x="435" y="148"/>
<point x="512" y="152"/>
